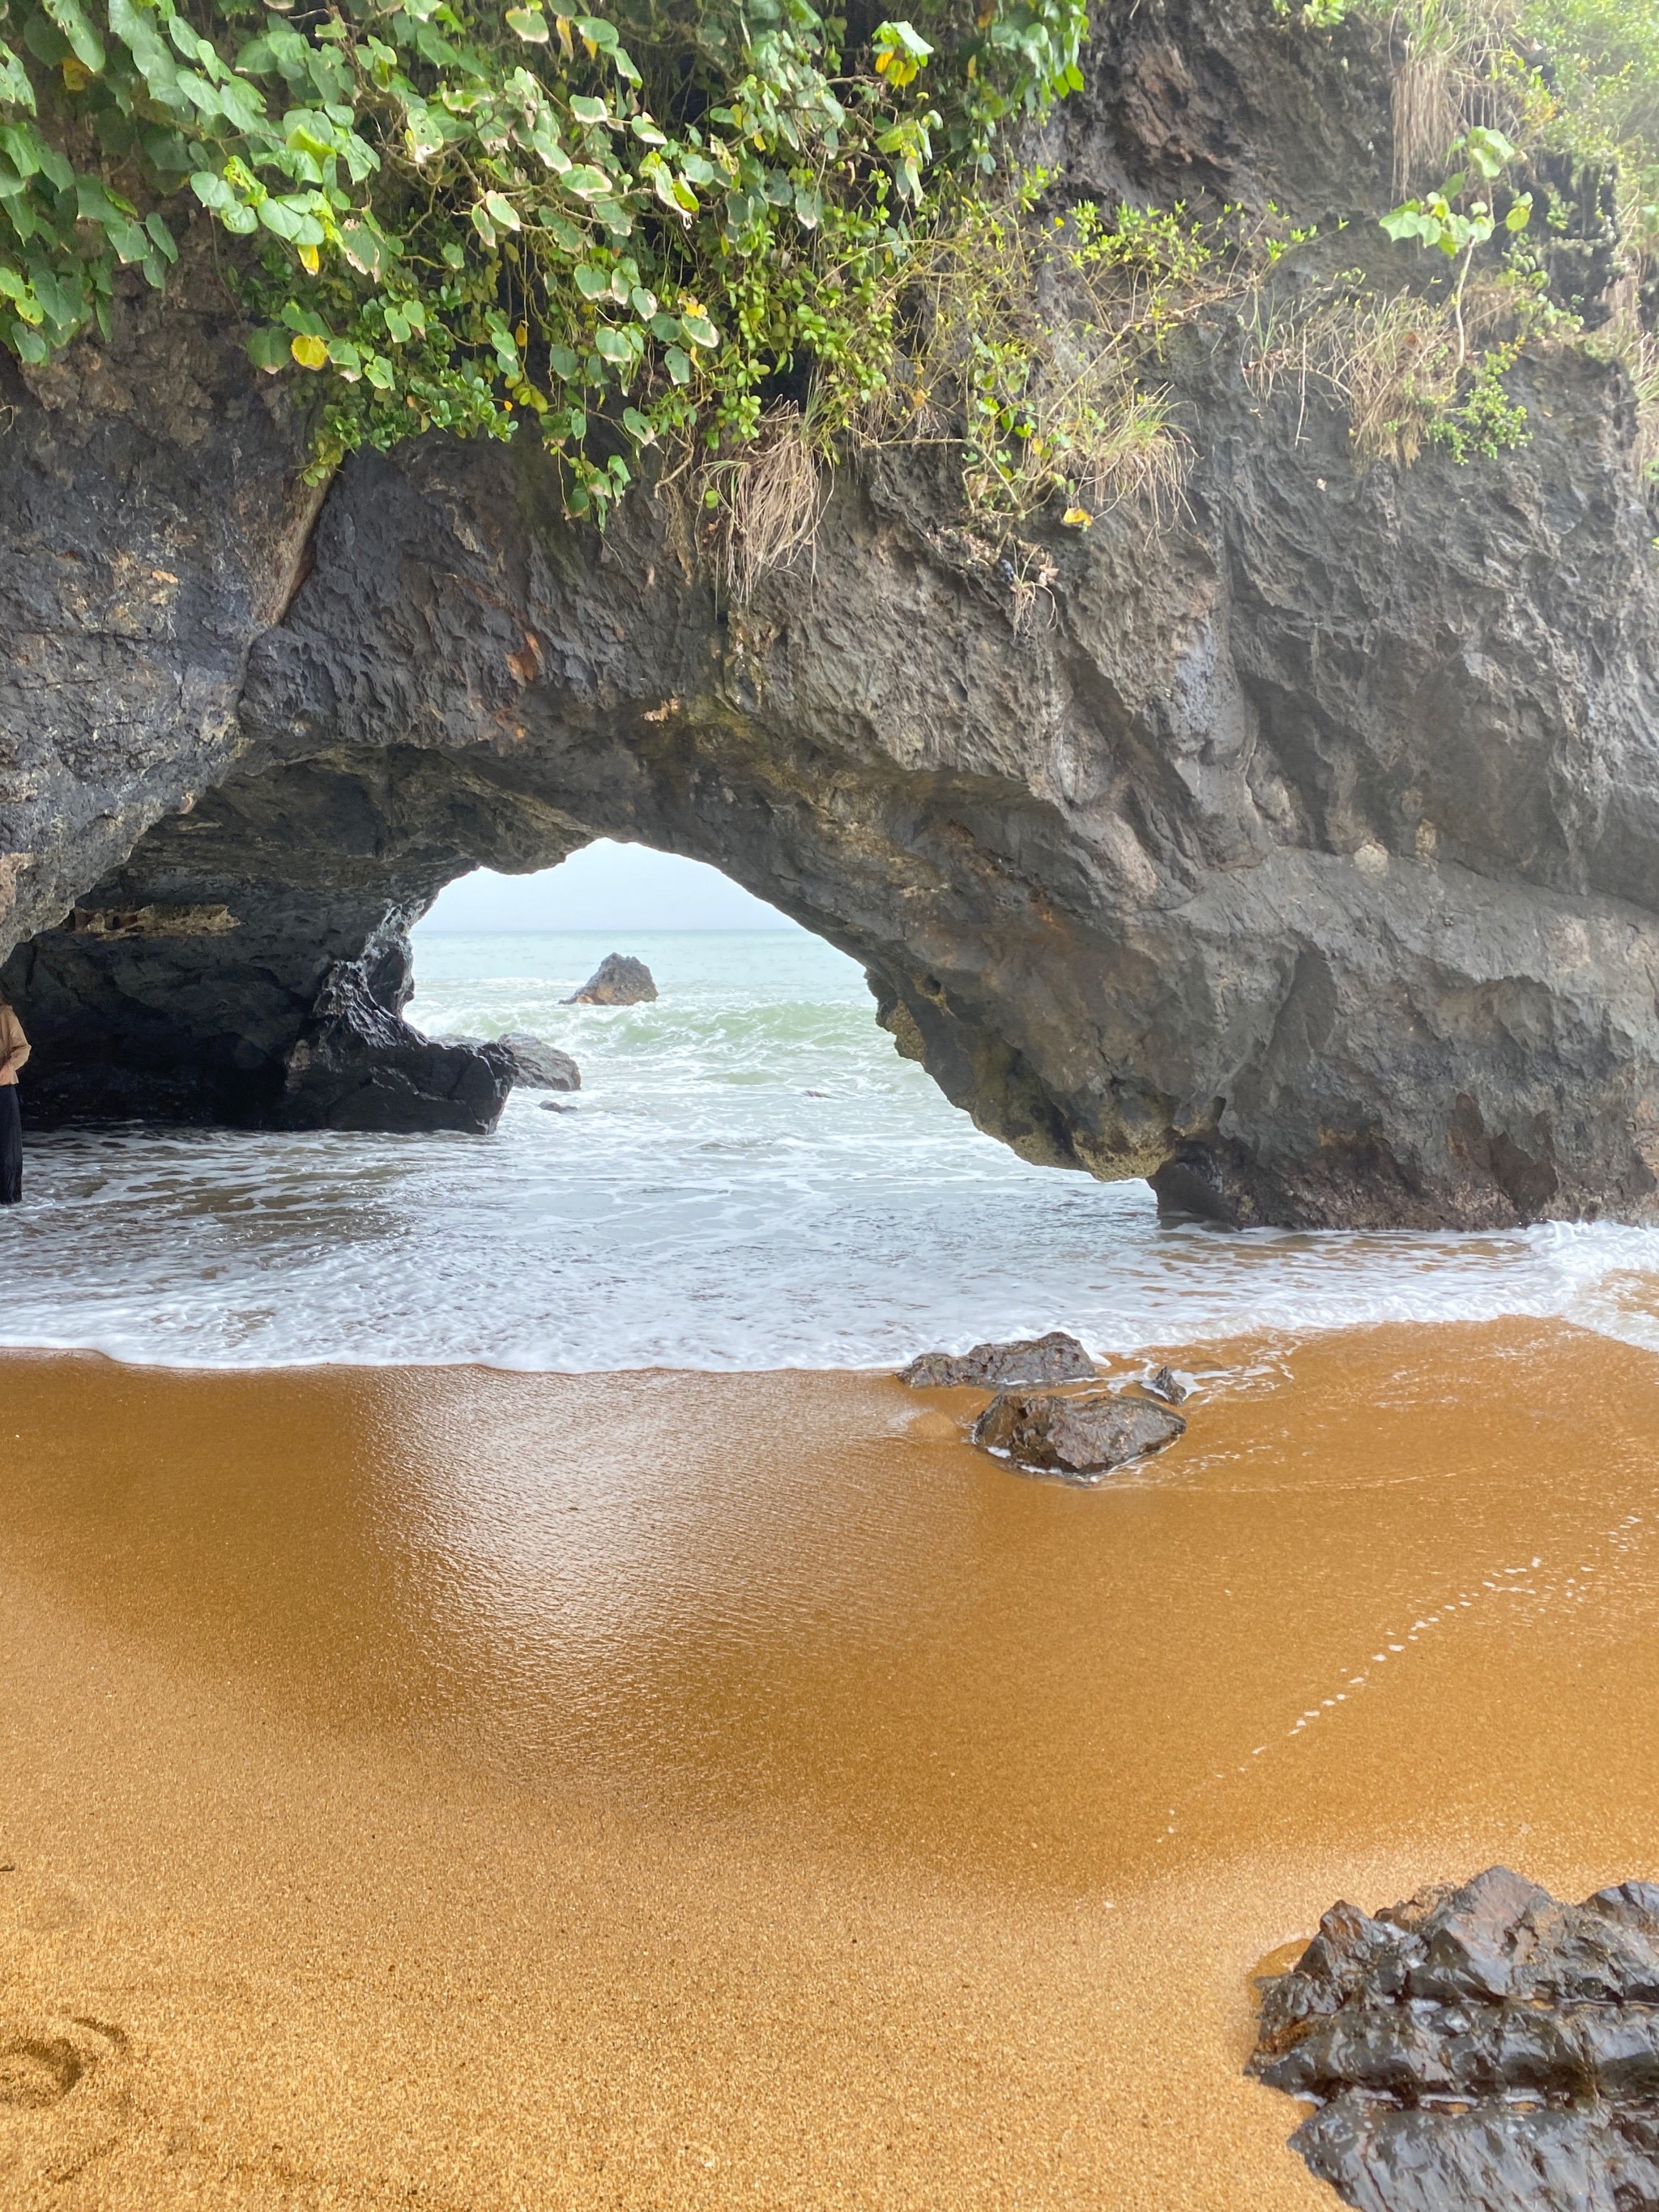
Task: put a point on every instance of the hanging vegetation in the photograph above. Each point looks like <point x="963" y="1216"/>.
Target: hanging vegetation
<point x="464" y="215"/>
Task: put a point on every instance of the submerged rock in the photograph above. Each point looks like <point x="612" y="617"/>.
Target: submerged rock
<point x="1081" y="1435"/>
<point x="618" y="981"/>
<point x="1481" y="2049"/>
<point x="1055" y="1358"/>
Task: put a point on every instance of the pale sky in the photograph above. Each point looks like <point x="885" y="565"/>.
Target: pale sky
<point x="605" y="886"/>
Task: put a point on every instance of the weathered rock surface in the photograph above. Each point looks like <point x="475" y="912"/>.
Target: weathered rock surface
<point x="1481" y="2049"/>
<point x="538" y="1065"/>
<point x="618" y="981"/>
<point x="1299" y="855"/>
<point x="357" y="1065"/>
<point x="529" y="1063"/>
<point x="1081" y="1435"/>
<point x="1164" y="1383"/>
<point x="1055" y="1358"/>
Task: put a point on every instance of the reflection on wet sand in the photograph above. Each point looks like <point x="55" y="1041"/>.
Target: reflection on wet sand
<point x="677" y="1789"/>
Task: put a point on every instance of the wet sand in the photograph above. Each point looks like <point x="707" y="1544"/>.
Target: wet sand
<point x="461" y="1790"/>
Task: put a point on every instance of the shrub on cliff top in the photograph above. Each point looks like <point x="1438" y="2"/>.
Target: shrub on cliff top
<point x="465" y="215"/>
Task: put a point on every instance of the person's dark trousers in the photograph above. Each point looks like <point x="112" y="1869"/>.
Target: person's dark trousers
<point x="11" y="1147"/>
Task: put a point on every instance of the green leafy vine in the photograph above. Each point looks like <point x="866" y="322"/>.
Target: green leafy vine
<point x="618" y="229"/>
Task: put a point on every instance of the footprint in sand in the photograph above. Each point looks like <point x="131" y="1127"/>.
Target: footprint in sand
<point x="35" y="2070"/>
<point x="63" y="2096"/>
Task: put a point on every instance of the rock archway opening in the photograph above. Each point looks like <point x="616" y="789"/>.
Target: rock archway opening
<point x="1150" y="888"/>
<point x="709" y="986"/>
<point x="254" y="961"/>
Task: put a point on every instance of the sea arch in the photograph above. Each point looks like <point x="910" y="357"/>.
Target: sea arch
<point x="1057" y="839"/>
<point x="1257" y="852"/>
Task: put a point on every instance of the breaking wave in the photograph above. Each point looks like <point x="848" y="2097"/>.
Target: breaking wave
<point x="751" y="1177"/>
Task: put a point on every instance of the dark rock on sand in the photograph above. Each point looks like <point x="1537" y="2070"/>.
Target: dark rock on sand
<point x="1165" y="1385"/>
<point x="618" y="981"/>
<point x="1081" y="1435"/>
<point x="1481" y="2049"/>
<point x="1055" y="1358"/>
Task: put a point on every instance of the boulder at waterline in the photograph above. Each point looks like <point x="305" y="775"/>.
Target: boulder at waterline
<point x="618" y="981"/>
<point x="526" y="1062"/>
<point x="1481" y="2049"/>
<point x="1080" y="1435"/>
<point x="358" y="1065"/>
<point x="536" y="1064"/>
<point x="1055" y="1358"/>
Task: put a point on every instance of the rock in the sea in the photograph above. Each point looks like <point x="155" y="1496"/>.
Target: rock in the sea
<point x="535" y="1065"/>
<point x="527" y="1063"/>
<point x="358" y="1065"/>
<point x="1055" y="1358"/>
<point x="618" y="981"/>
<point x="1166" y="1384"/>
<point x="1481" y="2049"/>
<point x="1080" y="1435"/>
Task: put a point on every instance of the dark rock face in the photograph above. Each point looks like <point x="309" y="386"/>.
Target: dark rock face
<point x="1298" y="855"/>
<point x="536" y="1064"/>
<point x="1081" y="1435"/>
<point x="618" y="981"/>
<point x="1055" y="1358"/>
<point x="529" y="1063"/>
<point x="357" y="1065"/>
<point x="1481" y="2049"/>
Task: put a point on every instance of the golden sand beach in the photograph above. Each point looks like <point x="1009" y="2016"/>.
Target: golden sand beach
<point x="465" y="1790"/>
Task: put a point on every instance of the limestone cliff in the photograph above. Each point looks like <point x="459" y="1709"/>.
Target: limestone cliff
<point x="1298" y="855"/>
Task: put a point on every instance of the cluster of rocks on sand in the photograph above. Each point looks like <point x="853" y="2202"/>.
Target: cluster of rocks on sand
<point x="1481" y="2049"/>
<point x="1077" y="1434"/>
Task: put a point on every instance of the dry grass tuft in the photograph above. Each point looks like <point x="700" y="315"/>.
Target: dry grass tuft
<point x="1427" y="116"/>
<point x="775" y="491"/>
<point x="1626" y="340"/>
<point x="1446" y="77"/>
<point x="1392" y="363"/>
<point x="1136" y="455"/>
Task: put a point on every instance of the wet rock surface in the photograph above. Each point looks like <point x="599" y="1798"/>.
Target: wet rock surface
<point x="1056" y="1357"/>
<point x="1297" y="856"/>
<point x="1480" y="2049"/>
<point x="529" y="1063"/>
<point x="1166" y="1384"/>
<point x="359" y="1066"/>
<point x="1078" y="1435"/>
<point x="618" y="981"/>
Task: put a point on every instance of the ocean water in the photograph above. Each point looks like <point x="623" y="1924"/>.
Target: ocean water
<point x="751" y="1177"/>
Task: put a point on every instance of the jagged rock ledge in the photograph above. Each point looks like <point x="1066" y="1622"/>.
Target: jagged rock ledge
<point x="1477" y="2049"/>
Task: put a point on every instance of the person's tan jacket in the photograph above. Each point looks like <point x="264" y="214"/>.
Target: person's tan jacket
<point x="14" y="1045"/>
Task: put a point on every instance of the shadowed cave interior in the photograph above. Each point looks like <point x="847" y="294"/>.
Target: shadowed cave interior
<point x="234" y="973"/>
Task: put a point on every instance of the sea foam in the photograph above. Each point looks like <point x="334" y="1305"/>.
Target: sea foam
<point x="752" y="1178"/>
